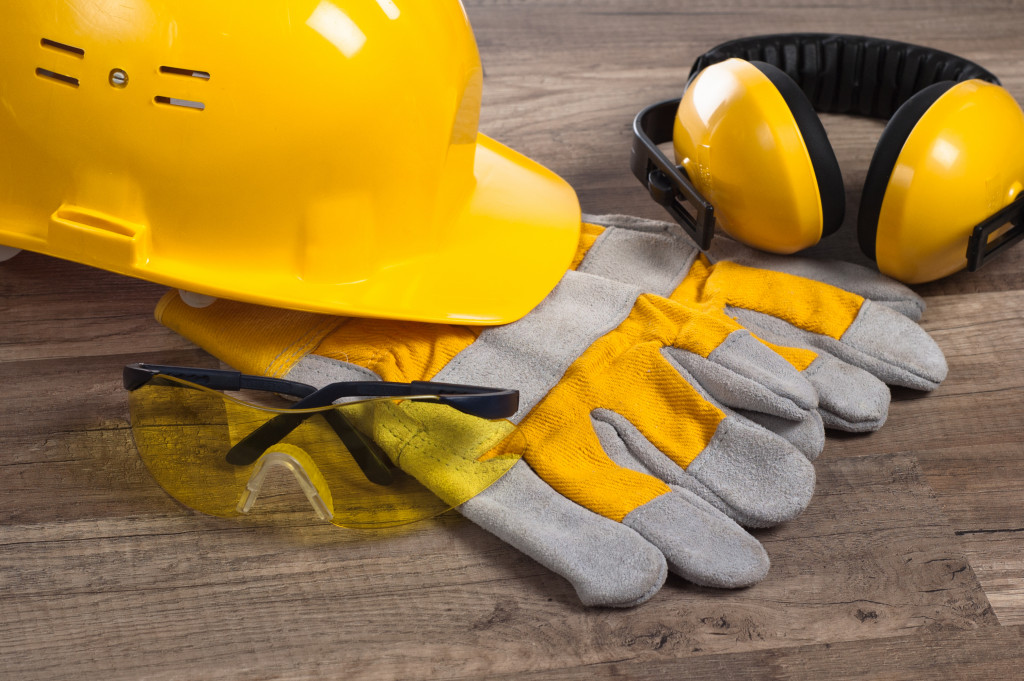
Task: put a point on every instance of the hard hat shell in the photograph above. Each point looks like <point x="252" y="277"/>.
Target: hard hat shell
<point x="320" y="155"/>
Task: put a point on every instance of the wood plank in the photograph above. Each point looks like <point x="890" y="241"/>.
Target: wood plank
<point x="979" y="401"/>
<point x="968" y="436"/>
<point x="995" y="555"/>
<point x="136" y="594"/>
<point x="986" y="653"/>
<point x="67" y="451"/>
<point x="53" y="308"/>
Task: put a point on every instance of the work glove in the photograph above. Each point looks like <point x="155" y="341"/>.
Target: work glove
<point x="632" y="465"/>
<point x="859" y="324"/>
<point x="607" y="563"/>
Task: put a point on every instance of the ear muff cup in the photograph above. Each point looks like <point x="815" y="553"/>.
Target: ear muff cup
<point x="883" y="161"/>
<point x="823" y="158"/>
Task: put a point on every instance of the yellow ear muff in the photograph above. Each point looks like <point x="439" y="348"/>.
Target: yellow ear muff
<point x="751" y="143"/>
<point x="950" y="157"/>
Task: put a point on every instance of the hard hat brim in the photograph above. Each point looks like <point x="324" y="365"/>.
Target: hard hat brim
<point x="502" y="248"/>
<point x="507" y="248"/>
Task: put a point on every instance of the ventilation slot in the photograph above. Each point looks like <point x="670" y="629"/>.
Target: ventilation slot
<point x="59" y="77"/>
<point x="185" y="72"/>
<point x="77" y="51"/>
<point x="183" y="103"/>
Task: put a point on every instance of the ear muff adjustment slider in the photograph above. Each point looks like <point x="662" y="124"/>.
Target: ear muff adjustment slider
<point x="667" y="183"/>
<point x="979" y="247"/>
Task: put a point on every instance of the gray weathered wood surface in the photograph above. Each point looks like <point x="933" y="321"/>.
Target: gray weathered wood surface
<point x="909" y="563"/>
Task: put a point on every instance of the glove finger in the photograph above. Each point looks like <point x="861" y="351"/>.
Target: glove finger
<point x="854" y="329"/>
<point x="802" y="428"/>
<point x="700" y="543"/>
<point x="849" y="398"/>
<point x="749" y="473"/>
<point x="606" y="562"/>
<point x="882" y="342"/>
<point x="807" y="435"/>
<point x="698" y="538"/>
<point x="617" y="564"/>
<point x="571" y="460"/>
<point x="848" y="276"/>
<point x="745" y="374"/>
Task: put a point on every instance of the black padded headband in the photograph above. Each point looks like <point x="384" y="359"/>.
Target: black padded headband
<point x="849" y="73"/>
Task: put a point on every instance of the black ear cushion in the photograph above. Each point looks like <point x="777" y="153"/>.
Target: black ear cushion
<point x="823" y="158"/>
<point x="883" y="162"/>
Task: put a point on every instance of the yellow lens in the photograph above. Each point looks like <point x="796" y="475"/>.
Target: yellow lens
<point x="435" y="456"/>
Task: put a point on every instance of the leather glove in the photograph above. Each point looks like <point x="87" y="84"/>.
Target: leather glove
<point x="656" y="258"/>
<point x="633" y="465"/>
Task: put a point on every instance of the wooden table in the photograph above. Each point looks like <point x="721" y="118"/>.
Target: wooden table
<point x="909" y="562"/>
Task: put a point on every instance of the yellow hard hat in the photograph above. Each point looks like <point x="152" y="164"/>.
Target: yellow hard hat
<point x="320" y="155"/>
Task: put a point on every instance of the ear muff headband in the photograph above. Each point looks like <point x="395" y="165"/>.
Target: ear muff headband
<point x="847" y="73"/>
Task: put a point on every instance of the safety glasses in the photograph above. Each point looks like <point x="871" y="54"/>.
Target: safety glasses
<point x="387" y="454"/>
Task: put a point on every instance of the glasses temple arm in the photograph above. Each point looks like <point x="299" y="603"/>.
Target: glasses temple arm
<point x="138" y="374"/>
<point x="488" y="403"/>
<point x="371" y="460"/>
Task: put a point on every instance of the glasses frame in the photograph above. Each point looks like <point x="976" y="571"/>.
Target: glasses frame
<point x="487" y="403"/>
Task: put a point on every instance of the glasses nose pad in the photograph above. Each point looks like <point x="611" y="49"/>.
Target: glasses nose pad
<point x="302" y="467"/>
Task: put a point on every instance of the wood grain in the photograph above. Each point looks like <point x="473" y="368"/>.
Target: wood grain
<point x="872" y="558"/>
<point x="909" y="563"/>
<point x="942" y="656"/>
